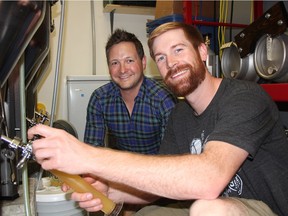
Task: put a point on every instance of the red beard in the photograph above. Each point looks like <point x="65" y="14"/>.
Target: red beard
<point x="189" y="82"/>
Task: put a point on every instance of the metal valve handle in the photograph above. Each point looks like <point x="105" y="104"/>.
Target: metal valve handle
<point x="26" y="149"/>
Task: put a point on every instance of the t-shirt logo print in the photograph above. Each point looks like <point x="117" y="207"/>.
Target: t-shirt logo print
<point x="236" y="185"/>
<point x="197" y="144"/>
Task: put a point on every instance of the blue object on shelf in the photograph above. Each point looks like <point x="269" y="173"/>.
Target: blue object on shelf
<point x="150" y="26"/>
<point x="212" y="31"/>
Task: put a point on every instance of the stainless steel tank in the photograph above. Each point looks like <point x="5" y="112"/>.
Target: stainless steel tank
<point x="270" y="58"/>
<point x="233" y="66"/>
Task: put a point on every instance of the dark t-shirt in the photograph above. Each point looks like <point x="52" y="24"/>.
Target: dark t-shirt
<point x="241" y="114"/>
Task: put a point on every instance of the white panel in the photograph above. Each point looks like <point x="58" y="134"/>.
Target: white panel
<point x="79" y="90"/>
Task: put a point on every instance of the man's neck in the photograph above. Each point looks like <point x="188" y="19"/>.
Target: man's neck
<point x="129" y="96"/>
<point x="204" y="94"/>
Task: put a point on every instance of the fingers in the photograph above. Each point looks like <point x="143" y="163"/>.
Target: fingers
<point x="44" y="152"/>
<point x="65" y="187"/>
<point x="39" y="129"/>
<point x="87" y="202"/>
<point x="81" y="197"/>
<point x="47" y="149"/>
<point x="59" y="150"/>
<point x="96" y="182"/>
<point x="89" y="178"/>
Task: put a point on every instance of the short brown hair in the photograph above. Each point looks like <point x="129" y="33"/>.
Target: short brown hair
<point x="120" y="35"/>
<point x="191" y="33"/>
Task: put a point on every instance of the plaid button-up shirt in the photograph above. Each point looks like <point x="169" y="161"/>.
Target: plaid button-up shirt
<point x="141" y="132"/>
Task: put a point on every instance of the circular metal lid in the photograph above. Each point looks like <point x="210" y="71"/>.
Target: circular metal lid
<point x="233" y="66"/>
<point x="270" y="57"/>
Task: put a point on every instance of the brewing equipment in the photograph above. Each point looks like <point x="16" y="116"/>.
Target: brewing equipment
<point x="270" y="58"/>
<point x="76" y="182"/>
<point x="259" y="52"/>
<point x="233" y="66"/>
<point x="24" y="44"/>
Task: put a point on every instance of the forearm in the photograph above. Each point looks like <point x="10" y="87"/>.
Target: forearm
<point x="202" y="176"/>
<point x="165" y="176"/>
<point x="123" y="193"/>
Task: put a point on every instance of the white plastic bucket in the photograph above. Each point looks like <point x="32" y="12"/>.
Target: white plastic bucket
<point x="52" y="201"/>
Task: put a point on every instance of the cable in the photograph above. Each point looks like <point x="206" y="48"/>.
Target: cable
<point x="231" y="19"/>
<point x="221" y="29"/>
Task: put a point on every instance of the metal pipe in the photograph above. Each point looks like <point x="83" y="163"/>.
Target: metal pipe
<point x="25" y="182"/>
<point x="187" y="5"/>
<point x="93" y="38"/>
<point x="207" y="23"/>
<point x="55" y="91"/>
<point x="258" y="8"/>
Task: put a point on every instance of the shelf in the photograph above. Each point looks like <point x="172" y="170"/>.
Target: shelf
<point x="126" y="9"/>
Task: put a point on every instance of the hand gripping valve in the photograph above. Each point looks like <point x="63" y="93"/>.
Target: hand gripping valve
<point x="77" y="183"/>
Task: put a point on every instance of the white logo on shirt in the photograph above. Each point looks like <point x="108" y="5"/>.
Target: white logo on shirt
<point x="236" y="185"/>
<point x="197" y="144"/>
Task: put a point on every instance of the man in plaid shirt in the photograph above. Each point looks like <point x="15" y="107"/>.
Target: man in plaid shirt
<point x="132" y="109"/>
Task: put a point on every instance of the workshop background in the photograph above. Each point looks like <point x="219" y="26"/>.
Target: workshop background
<point x="53" y="56"/>
<point x="77" y="58"/>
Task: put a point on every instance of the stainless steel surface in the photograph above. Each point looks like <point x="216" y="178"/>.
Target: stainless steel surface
<point x="233" y="66"/>
<point x="17" y="144"/>
<point x="19" y="20"/>
<point x="270" y="58"/>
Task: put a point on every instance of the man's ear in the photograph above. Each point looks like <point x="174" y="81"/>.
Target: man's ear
<point x="202" y="48"/>
<point x="144" y="62"/>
